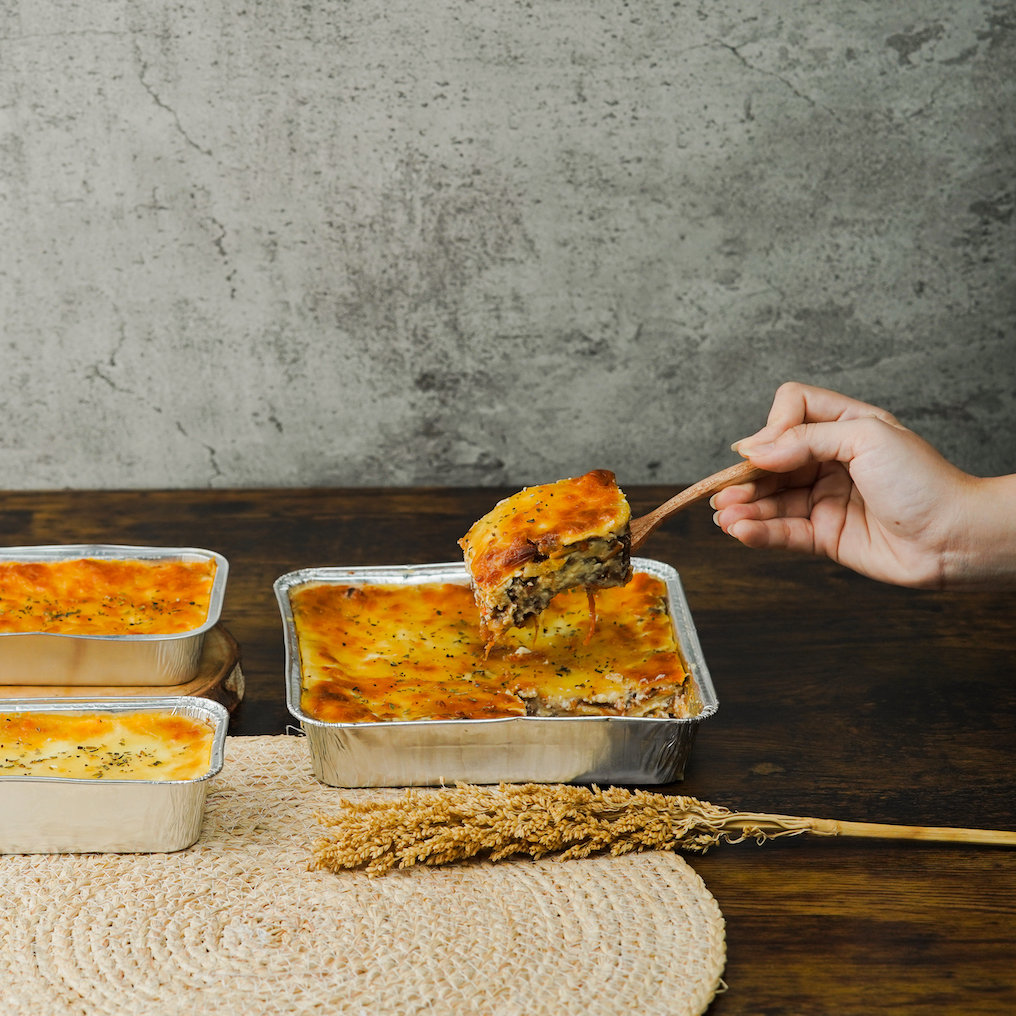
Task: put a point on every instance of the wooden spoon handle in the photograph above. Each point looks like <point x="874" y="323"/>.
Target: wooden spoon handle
<point x="743" y="472"/>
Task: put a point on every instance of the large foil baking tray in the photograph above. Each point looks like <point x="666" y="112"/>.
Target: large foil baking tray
<point x="517" y="749"/>
<point x="60" y="815"/>
<point x="48" y="658"/>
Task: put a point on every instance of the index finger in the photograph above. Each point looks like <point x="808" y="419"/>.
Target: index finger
<point x="795" y="403"/>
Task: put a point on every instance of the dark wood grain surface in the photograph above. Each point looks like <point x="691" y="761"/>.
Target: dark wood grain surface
<point x="839" y="698"/>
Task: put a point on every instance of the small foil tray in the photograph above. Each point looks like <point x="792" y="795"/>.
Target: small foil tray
<point x="50" y="658"/>
<point x="60" y="815"/>
<point x="517" y="749"/>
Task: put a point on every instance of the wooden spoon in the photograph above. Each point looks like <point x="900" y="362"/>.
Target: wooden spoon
<point x="743" y="472"/>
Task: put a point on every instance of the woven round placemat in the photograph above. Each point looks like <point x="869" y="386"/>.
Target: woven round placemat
<point x="237" y="924"/>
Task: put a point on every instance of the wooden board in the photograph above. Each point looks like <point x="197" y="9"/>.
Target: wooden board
<point x="219" y="678"/>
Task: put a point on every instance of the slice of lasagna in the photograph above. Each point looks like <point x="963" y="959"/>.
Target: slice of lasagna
<point x="544" y="540"/>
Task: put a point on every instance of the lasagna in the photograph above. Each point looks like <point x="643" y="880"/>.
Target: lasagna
<point x="545" y="540"/>
<point x="376" y="653"/>
<point x="89" y="596"/>
<point x="111" y="746"/>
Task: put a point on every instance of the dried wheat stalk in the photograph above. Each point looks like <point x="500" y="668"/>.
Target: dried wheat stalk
<point x="441" y="826"/>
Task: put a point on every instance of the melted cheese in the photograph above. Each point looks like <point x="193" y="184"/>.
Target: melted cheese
<point x="111" y="746"/>
<point x="89" y="596"/>
<point x="545" y="520"/>
<point x="410" y="652"/>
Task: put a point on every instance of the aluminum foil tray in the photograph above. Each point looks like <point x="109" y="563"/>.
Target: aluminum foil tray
<point x="59" y="815"/>
<point x="45" y="658"/>
<point x="518" y="749"/>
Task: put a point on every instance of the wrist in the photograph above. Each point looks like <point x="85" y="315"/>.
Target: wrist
<point x="982" y="552"/>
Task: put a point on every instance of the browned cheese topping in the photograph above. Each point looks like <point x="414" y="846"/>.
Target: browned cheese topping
<point x="111" y="746"/>
<point x="99" y="597"/>
<point x="410" y="652"/>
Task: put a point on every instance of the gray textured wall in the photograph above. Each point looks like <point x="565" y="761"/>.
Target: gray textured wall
<point x="427" y="241"/>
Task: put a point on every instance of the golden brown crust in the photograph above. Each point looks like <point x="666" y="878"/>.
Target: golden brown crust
<point x="540" y="521"/>
<point x="113" y="746"/>
<point x="376" y="653"/>
<point x="88" y="596"/>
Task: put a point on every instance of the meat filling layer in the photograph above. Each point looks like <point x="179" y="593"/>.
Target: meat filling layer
<point x="595" y="563"/>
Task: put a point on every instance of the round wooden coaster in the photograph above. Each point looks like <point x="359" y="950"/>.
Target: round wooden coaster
<point x="219" y="678"/>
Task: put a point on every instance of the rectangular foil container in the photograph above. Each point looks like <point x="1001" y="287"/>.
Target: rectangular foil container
<point x="59" y="815"/>
<point x="517" y="749"/>
<point x="43" y="658"/>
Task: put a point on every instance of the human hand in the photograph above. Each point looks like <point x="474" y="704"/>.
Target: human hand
<point x="855" y="485"/>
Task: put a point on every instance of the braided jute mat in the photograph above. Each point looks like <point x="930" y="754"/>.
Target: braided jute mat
<point x="237" y="924"/>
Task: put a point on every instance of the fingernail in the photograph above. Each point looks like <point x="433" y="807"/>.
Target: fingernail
<point x="712" y="501"/>
<point x="716" y="517"/>
<point x="733" y="447"/>
<point x="759" y="449"/>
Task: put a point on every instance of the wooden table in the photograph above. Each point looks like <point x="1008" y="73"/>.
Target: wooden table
<point x="839" y="698"/>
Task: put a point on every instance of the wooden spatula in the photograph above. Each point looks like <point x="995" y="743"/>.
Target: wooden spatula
<point x="743" y="472"/>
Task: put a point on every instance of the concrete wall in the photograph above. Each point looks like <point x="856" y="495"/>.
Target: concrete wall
<point x="250" y="242"/>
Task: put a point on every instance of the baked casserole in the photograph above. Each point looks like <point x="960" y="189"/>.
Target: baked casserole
<point x="376" y="653"/>
<point x="117" y="746"/>
<point x="97" y="596"/>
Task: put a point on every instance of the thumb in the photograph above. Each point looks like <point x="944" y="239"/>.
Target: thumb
<point x="836" y="441"/>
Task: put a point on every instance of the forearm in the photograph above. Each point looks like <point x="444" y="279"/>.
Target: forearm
<point x="982" y="553"/>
